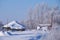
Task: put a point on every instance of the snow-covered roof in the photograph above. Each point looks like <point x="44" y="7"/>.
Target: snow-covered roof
<point x="44" y="24"/>
<point x="15" y="25"/>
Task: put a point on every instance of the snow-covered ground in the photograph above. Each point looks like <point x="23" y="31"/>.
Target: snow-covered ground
<point x="53" y="34"/>
<point x="23" y="35"/>
<point x="1" y="33"/>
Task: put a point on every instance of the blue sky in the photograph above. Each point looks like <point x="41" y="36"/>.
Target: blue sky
<point x="18" y="9"/>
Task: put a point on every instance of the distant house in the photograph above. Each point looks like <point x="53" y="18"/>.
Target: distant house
<point x="14" y="26"/>
<point x="43" y="27"/>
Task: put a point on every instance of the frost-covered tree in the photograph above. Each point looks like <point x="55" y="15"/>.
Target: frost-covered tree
<point x="55" y="31"/>
<point x="1" y="24"/>
<point x="30" y="21"/>
<point x="41" y="14"/>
